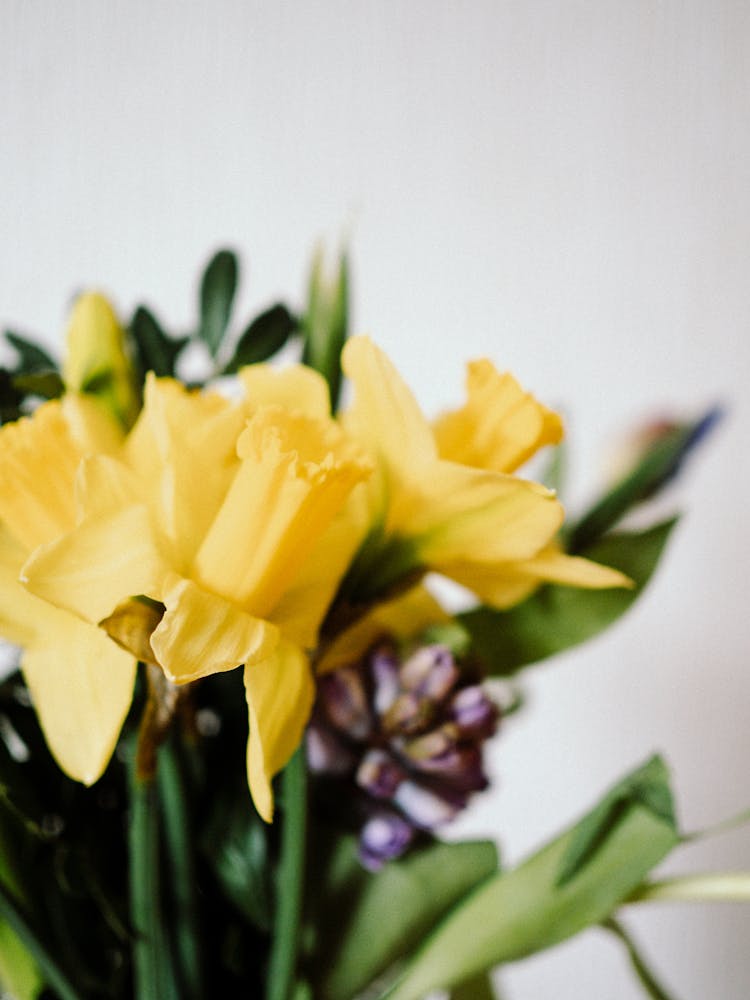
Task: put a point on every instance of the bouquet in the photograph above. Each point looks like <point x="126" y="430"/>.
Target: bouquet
<point x="240" y="715"/>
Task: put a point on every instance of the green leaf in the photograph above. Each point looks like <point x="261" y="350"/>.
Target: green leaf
<point x="32" y="357"/>
<point x="660" y="463"/>
<point x="326" y="322"/>
<point x="10" y="398"/>
<point x="523" y="911"/>
<point x="556" y="618"/>
<point x="216" y="298"/>
<point x="477" y="988"/>
<point x="648" y="786"/>
<point x="652" y="988"/>
<point x="156" y="351"/>
<point x="380" y="918"/>
<point x="47" y="384"/>
<point x="266" y="335"/>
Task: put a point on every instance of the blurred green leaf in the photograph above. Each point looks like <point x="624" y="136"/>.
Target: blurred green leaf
<point x="217" y="290"/>
<point x="326" y="321"/>
<point x="32" y="357"/>
<point x="10" y="398"/>
<point x="655" y="468"/>
<point x="523" y="911"/>
<point x="651" y="986"/>
<point x="477" y="988"/>
<point x="380" y="918"/>
<point x="555" y="618"/>
<point x="648" y="786"/>
<point x="265" y="335"/>
<point x="47" y="384"/>
<point x="156" y="351"/>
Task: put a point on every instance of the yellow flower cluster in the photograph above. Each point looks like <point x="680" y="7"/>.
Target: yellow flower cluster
<point x="241" y="519"/>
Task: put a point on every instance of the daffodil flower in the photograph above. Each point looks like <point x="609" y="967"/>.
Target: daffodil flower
<point x="81" y="683"/>
<point x="443" y="498"/>
<point x="213" y="509"/>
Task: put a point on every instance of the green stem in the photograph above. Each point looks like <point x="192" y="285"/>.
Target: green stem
<point x="645" y="976"/>
<point x="290" y="881"/>
<point x="178" y="836"/>
<point x="53" y="975"/>
<point x="152" y="973"/>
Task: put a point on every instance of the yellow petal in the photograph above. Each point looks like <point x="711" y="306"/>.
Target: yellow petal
<point x="82" y="685"/>
<point x="19" y="610"/>
<point x="558" y="567"/>
<point x="38" y="462"/>
<point x="385" y="415"/>
<point x="499" y="427"/>
<point x="295" y="388"/>
<point x="467" y="514"/>
<point x="202" y="634"/>
<point x="103" y="486"/>
<point x="99" y="564"/>
<point x="280" y="694"/>
<point x="92" y="426"/>
<point x="295" y="475"/>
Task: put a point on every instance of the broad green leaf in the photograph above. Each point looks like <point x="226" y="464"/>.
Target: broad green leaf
<point x="19" y="973"/>
<point x="477" y="988"/>
<point x="156" y="351"/>
<point x="556" y="618"/>
<point x="10" y="398"/>
<point x="32" y="357"/>
<point x="648" y="786"/>
<point x="380" y="918"/>
<point x="651" y="986"/>
<point x="523" y="911"/>
<point x="216" y="298"/>
<point x="661" y="462"/>
<point x="266" y="335"/>
<point x="326" y="322"/>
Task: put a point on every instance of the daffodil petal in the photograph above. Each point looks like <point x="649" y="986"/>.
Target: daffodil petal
<point x="99" y="564"/>
<point x="93" y="426"/>
<point x="499" y="427"/>
<point x="19" y="610"/>
<point x="280" y="694"/>
<point x="471" y="515"/>
<point x="202" y="634"/>
<point x="81" y="684"/>
<point x="557" y="567"/>
<point x="385" y="415"/>
<point x="103" y="486"/>
<point x="296" y="387"/>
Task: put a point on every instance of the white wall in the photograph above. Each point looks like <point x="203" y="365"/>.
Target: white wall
<point x="560" y="185"/>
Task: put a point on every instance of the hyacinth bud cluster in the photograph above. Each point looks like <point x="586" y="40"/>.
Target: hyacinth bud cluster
<point x="401" y="740"/>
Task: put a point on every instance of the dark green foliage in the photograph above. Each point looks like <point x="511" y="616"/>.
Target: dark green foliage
<point x="265" y="335"/>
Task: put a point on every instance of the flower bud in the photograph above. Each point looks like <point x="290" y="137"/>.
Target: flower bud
<point x="473" y="712"/>
<point x="385" y="836"/>
<point x="423" y="807"/>
<point x="379" y="774"/>
<point x="430" y="671"/>
<point x="344" y="701"/>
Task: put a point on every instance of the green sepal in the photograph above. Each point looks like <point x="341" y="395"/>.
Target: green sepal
<point x="31" y="357"/>
<point x="326" y="322"/>
<point x="155" y="350"/>
<point x="556" y="618"/>
<point x="218" y="286"/>
<point x="264" y="336"/>
<point x="380" y="918"/>
<point x="523" y="911"/>
<point x="648" y="787"/>
<point x="653" y="470"/>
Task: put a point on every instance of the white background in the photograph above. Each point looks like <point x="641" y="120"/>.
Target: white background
<point x="564" y="187"/>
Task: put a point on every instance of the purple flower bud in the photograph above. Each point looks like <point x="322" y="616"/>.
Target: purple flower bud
<point x="344" y="701"/>
<point x="424" y="808"/>
<point x="384" y="667"/>
<point x="430" y="671"/>
<point x="473" y="712"/>
<point x="384" y="836"/>
<point x="326" y="754"/>
<point x="379" y="774"/>
<point x="408" y="714"/>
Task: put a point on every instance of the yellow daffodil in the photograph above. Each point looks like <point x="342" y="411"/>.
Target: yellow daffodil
<point x="443" y="498"/>
<point x="81" y="683"/>
<point x="213" y="509"/>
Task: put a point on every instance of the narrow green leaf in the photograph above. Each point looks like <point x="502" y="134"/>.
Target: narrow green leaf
<point x="716" y="887"/>
<point x="326" y="322"/>
<point x="556" y="618"/>
<point x="10" y="398"/>
<point x="648" y="786"/>
<point x="156" y="351"/>
<point x="217" y="290"/>
<point x="237" y="848"/>
<point x="32" y="357"/>
<point x="477" y="988"/>
<point x="380" y="918"/>
<point x="524" y="911"/>
<point x="651" y="986"/>
<point x="47" y="384"/>
<point x="266" y="335"/>
<point x="660" y="463"/>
